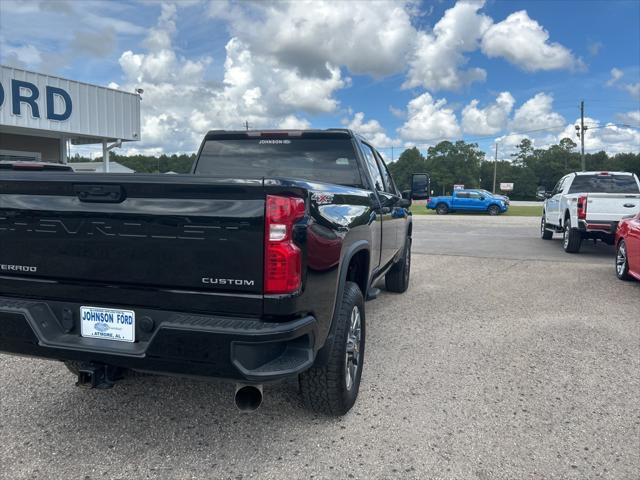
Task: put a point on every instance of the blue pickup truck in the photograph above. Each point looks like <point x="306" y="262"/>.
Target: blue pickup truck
<point x="468" y="201"/>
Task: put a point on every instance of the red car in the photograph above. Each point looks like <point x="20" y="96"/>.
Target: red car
<point x="628" y="248"/>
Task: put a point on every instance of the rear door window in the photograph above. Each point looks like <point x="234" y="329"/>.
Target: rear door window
<point x="474" y="195"/>
<point x="604" y="184"/>
<point x="372" y="165"/>
<point x="389" y="186"/>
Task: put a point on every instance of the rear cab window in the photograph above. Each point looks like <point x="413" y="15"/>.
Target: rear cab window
<point x="319" y="158"/>
<point x="604" y="183"/>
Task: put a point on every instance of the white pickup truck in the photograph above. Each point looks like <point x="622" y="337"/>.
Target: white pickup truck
<point x="588" y="205"/>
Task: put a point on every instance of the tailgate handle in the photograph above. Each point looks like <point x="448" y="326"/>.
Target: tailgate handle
<point x="100" y="193"/>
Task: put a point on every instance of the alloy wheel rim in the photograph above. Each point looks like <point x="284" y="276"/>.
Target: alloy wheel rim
<point x="352" y="356"/>
<point x="621" y="259"/>
<point x="542" y="222"/>
<point x="565" y="239"/>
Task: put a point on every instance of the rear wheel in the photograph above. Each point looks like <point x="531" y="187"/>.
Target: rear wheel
<point x="494" y="210"/>
<point x="571" y="239"/>
<point x="397" y="278"/>
<point x="545" y="233"/>
<point x="622" y="262"/>
<point x="332" y="388"/>
<point x="442" y="209"/>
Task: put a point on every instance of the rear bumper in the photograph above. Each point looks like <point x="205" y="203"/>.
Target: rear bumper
<point x="600" y="226"/>
<point x="172" y="343"/>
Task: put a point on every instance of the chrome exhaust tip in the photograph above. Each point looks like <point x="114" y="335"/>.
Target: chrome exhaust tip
<point x="248" y="398"/>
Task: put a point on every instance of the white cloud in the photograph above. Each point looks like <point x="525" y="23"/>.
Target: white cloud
<point x="594" y="48"/>
<point x="20" y="56"/>
<point x="438" y="60"/>
<point x="311" y="94"/>
<point x="179" y="105"/>
<point x="610" y="138"/>
<point x="489" y="120"/>
<point x="525" y="43"/>
<point x="429" y="121"/>
<point x="371" y="130"/>
<point x="633" y="89"/>
<point x="632" y="117"/>
<point x="291" y="122"/>
<point x="616" y="74"/>
<point x="365" y="37"/>
<point x="536" y="114"/>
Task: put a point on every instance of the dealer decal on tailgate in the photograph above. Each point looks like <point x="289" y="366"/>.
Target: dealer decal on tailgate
<point x="108" y="323"/>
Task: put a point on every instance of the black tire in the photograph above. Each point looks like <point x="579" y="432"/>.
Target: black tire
<point x="326" y="389"/>
<point x="622" y="261"/>
<point x="397" y="278"/>
<point x="442" y="209"/>
<point x="493" y="210"/>
<point x="571" y="238"/>
<point x="545" y="234"/>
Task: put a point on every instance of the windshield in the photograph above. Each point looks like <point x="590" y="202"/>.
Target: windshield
<point x="604" y="184"/>
<point x="330" y="160"/>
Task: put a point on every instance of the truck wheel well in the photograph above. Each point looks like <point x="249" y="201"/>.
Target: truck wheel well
<point x="567" y="215"/>
<point x="410" y="230"/>
<point x="358" y="270"/>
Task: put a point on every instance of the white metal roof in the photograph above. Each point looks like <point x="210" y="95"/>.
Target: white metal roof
<point x="93" y="112"/>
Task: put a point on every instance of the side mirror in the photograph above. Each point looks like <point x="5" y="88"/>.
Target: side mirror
<point x="404" y="202"/>
<point x="420" y="186"/>
<point x="541" y="193"/>
<point x="481" y="197"/>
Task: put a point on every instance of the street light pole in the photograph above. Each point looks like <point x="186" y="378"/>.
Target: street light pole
<point x="581" y="129"/>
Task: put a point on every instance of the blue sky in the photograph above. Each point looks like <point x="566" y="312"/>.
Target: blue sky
<point x="401" y="73"/>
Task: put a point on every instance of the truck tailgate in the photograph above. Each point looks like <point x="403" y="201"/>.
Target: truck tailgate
<point x="176" y="232"/>
<point x="611" y="207"/>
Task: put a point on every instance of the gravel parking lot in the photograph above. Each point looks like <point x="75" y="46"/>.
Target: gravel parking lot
<point x="506" y="359"/>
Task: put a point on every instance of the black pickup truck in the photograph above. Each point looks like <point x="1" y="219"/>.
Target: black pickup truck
<point x="253" y="269"/>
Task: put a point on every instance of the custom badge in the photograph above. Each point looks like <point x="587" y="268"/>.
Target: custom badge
<point x="322" y="198"/>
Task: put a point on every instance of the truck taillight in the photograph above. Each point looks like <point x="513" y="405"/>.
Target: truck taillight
<point x="282" y="258"/>
<point x="582" y="207"/>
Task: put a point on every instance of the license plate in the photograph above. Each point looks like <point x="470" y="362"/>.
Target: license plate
<point x="108" y="324"/>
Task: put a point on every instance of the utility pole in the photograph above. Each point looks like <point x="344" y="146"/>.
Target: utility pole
<point x="391" y="153"/>
<point x="581" y="129"/>
<point x="246" y="125"/>
<point x="495" y="168"/>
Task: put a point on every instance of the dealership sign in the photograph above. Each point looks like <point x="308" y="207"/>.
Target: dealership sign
<point x="458" y="187"/>
<point x="32" y="103"/>
<point x="27" y="93"/>
<point x="506" y="187"/>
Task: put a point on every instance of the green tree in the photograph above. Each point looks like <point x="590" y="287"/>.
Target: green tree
<point x="411" y="161"/>
<point x="454" y="163"/>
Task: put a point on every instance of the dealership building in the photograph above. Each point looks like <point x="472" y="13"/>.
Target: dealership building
<point x="40" y="114"/>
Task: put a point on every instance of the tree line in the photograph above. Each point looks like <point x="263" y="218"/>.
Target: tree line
<point x="451" y="163"/>
<point x="147" y="163"/>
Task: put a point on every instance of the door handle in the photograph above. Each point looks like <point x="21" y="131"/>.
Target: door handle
<point x="629" y="205"/>
<point x="384" y="210"/>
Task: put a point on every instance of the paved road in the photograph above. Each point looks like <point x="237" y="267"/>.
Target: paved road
<point x="497" y="364"/>
<point x="514" y="238"/>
